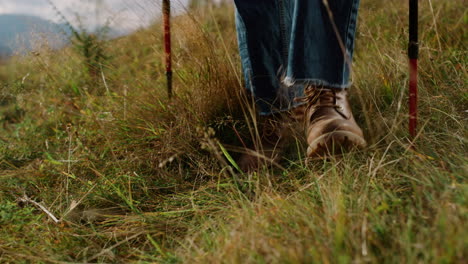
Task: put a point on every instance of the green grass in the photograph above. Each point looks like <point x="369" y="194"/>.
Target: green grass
<point x="135" y="177"/>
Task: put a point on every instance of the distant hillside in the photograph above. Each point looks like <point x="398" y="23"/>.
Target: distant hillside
<point x="5" y="51"/>
<point x="19" y="33"/>
<point x="22" y="33"/>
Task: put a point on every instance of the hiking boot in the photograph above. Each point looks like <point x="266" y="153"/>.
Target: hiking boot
<point x="330" y="125"/>
<point x="269" y="147"/>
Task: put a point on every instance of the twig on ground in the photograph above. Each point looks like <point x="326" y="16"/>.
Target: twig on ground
<point x="26" y="199"/>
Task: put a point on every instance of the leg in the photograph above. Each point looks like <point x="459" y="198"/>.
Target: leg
<point x="322" y="42"/>
<point x="309" y="43"/>
<point x="286" y="44"/>
<point x="263" y="28"/>
<point x="320" y="54"/>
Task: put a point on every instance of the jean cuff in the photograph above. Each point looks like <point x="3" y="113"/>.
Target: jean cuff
<point x="289" y="81"/>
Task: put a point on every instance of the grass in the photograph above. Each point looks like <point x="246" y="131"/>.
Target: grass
<point x="135" y="177"/>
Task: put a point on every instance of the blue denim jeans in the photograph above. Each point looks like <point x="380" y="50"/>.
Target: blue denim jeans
<point x="286" y="45"/>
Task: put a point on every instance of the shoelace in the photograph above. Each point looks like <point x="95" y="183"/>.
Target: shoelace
<point x="312" y="97"/>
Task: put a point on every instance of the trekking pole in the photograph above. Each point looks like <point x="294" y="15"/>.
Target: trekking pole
<point x="413" y="54"/>
<point x="166" y="6"/>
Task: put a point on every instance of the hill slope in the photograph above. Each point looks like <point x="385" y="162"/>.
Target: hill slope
<point x="136" y="177"/>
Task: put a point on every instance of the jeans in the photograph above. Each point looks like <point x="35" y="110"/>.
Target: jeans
<point x="286" y="45"/>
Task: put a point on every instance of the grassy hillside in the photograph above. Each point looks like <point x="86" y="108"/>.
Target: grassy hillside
<point x="135" y="177"/>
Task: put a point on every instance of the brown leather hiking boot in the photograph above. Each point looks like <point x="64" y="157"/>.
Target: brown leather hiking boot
<point x="269" y="147"/>
<point x="330" y="125"/>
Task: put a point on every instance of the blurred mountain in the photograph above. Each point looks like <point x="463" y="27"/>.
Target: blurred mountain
<point x="22" y="33"/>
<point x="5" y="51"/>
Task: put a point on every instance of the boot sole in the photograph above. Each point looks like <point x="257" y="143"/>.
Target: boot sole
<point x="335" y="143"/>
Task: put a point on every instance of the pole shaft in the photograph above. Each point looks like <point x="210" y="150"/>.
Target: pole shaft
<point x="413" y="97"/>
<point x="413" y="49"/>
<point x="413" y="54"/>
<point x="167" y="44"/>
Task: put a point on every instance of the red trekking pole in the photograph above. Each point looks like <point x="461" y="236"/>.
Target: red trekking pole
<point x="413" y="54"/>
<point x="166" y="5"/>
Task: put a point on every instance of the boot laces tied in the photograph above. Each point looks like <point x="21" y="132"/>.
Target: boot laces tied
<point x="316" y="98"/>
